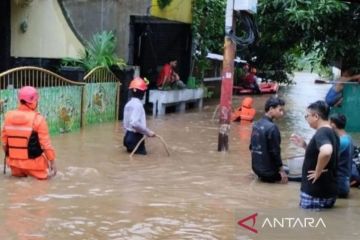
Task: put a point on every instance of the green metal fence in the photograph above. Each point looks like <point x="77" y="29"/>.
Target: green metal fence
<point x="101" y="96"/>
<point x="67" y="105"/>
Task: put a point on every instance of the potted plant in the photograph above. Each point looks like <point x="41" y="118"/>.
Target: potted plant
<point x="72" y="69"/>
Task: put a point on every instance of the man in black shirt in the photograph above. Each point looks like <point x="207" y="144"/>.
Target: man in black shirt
<point x="318" y="185"/>
<point x="265" y="144"/>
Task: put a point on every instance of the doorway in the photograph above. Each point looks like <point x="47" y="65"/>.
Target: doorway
<point x="154" y="41"/>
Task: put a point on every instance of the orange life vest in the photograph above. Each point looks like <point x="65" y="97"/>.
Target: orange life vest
<point x="22" y="140"/>
<point x="245" y="111"/>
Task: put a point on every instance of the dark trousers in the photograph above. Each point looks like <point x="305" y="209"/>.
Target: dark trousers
<point x="276" y="177"/>
<point x="131" y="139"/>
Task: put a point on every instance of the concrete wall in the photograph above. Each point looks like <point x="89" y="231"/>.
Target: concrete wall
<point x="92" y="16"/>
<point x="47" y="36"/>
<point x="178" y="10"/>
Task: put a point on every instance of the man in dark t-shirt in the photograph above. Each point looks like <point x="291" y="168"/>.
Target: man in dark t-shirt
<point x="318" y="185"/>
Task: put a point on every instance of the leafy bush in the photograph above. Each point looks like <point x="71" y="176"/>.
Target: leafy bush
<point x="99" y="51"/>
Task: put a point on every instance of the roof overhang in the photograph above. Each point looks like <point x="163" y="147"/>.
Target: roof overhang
<point x="219" y="57"/>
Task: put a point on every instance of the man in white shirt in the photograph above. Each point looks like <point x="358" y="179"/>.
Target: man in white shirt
<point x="134" y="118"/>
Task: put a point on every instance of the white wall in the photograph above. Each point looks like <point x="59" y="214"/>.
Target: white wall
<point x="48" y="34"/>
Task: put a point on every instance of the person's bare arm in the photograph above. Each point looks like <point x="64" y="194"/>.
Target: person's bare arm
<point x="176" y="76"/>
<point x="340" y="84"/>
<point x="350" y="78"/>
<point x="355" y="77"/>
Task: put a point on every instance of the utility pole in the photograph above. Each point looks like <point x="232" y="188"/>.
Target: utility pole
<point x="227" y="79"/>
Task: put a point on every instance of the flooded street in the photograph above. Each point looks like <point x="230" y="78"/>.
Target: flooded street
<point x="196" y="193"/>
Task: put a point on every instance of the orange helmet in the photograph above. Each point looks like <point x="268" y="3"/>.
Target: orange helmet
<point x="139" y="83"/>
<point x="28" y="94"/>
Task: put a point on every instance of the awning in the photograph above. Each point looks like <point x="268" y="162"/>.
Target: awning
<point x="219" y="57"/>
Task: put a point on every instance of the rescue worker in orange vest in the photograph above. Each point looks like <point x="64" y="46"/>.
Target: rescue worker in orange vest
<point x="245" y="112"/>
<point x="26" y="140"/>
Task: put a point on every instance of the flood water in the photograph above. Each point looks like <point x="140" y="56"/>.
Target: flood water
<point x="196" y="193"/>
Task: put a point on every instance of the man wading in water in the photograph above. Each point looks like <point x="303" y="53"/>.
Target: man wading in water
<point x="319" y="185"/>
<point x="135" y="119"/>
<point x="265" y="144"/>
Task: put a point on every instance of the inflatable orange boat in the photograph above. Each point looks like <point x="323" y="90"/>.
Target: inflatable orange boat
<point x="271" y="87"/>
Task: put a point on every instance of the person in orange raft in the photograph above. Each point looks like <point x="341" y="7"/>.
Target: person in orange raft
<point x="250" y="81"/>
<point x="26" y="140"/>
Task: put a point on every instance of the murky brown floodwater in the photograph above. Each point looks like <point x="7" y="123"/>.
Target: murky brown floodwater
<point x="196" y="193"/>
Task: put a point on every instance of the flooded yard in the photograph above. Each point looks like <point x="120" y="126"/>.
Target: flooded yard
<point x="196" y="193"/>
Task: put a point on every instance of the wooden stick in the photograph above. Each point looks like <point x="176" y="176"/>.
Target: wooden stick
<point x="137" y="146"/>
<point x="215" y="112"/>
<point x="143" y="138"/>
<point x="346" y="83"/>
<point x="163" y="141"/>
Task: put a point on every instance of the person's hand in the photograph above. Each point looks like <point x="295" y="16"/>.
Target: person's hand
<point x="52" y="168"/>
<point x="151" y="134"/>
<point x="284" y="177"/>
<point x="297" y="140"/>
<point x="314" y="175"/>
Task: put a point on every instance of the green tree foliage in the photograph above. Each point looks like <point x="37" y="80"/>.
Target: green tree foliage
<point x="326" y="30"/>
<point x="208" y="31"/>
<point x="294" y="28"/>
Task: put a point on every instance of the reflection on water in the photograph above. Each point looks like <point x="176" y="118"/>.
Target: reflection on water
<point x="196" y="193"/>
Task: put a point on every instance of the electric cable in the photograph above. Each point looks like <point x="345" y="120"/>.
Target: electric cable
<point x="250" y="30"/>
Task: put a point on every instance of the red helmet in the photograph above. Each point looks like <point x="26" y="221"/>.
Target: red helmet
<point x="28" y="94"/>
<point x="138" y="83"/>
